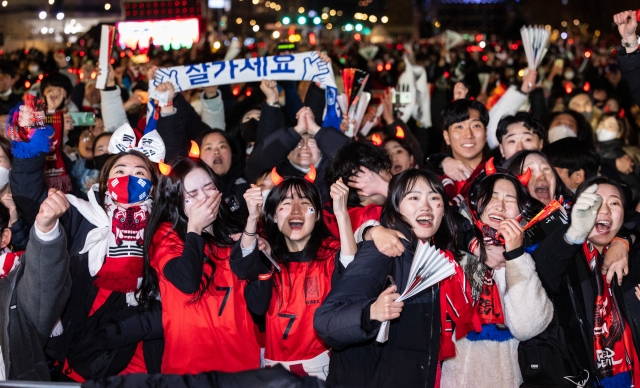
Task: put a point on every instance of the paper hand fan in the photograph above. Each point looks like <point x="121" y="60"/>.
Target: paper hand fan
<point x="429" y="267"/>
<point x="534" y="42"/>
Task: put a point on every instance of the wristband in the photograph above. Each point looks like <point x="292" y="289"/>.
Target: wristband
<point x="622" y="240"/>
<point x="633" y="43"/>
<point x="169" y="103"/>
<point x="249" y="234"/>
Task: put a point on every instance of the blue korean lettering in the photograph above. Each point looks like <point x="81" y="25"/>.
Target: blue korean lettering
<point x="282" y="64"/>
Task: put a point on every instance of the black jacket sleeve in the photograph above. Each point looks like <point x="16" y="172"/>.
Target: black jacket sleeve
<point x="271" y="119"/>
<point x="316" y="100"/>
<point x="131" y="325"/>
<point x="342" y="320"/>
<point x="185" y="272"/>
<point x="171" y="130"/>
<point x="271" y="152"/>
<point x="630" y="67"/>
<point x="247" y="267"/>
<point x="19" y="235"/>
<point x="553" y="258"/>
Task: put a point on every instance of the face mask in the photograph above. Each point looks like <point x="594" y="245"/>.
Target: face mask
<point x="265" y="194"/>
<point x="249" y="129"/>
<point x="569" y="74"/>
<point x="587" y="115"/>
<point x="100" y="161"/>
<point x="129" y="189"/>
<point x="605" y="135"/>
<point x="560" y="132"/>
<point x="4" y="177"/>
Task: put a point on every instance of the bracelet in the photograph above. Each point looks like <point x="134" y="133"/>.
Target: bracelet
<point x="274" y="104"/>
<point x="622" y="240"/>
<point x="249" y="234"/>
<point x="631" y="44"/>
<point x="170" y="103"/>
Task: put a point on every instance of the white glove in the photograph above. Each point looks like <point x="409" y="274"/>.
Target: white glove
<point x="583" y="215"/>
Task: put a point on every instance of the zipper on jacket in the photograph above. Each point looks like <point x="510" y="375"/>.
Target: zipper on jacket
<point x="426" y="381"/>
<point x="585" y="339"/>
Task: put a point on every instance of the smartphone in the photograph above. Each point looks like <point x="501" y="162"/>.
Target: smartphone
<point x="559" y="63"/>
<point x="402" y="98"/>
<point x="83" y="119"/>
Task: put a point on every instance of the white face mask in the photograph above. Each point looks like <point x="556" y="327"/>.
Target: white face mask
<point x="265" y="194"/>
<point x="560" y="132"/>
<point x="606" y="135"/>
<point x="4" y="177"/>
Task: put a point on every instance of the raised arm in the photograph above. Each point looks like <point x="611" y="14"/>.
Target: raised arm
<point x="45" y="286"/>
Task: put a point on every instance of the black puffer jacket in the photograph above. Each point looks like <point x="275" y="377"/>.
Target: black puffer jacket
<point x="410" y="357"/>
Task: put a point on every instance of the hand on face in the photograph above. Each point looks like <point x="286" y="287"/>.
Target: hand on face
<point x="54" y="96"/>
<point x="512" y="233"/>
<point x="202" y="212"/>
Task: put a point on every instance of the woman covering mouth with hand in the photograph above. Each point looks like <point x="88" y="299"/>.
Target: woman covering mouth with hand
<point x="305" y="259"/>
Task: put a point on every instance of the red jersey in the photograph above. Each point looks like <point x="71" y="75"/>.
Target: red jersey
<point x="359" y="215"/>
<point x="217" y="332"/>
<point x="297" y="293"/>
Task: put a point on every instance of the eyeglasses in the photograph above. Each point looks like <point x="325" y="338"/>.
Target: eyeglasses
<point x="87" y="137"/>
<point x="312" y="143"/>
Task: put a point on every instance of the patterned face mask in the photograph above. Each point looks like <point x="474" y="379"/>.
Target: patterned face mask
<point x="129" y="189"/>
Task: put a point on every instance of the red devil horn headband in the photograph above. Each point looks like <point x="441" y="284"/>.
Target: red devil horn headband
<point x="277" y="179"/>
<point x="311" y="175"/>
<point x="526" y="177"/>
<point x="489" y="168"/>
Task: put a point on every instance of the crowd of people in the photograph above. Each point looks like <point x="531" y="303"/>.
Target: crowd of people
<point x="232" y="231"/>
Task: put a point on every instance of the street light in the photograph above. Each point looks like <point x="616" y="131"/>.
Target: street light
<point x="60" y="16"/>
<point x="286" y="20"/>
<point x="358" y="27"/>
<point x="317" y="20"/>
<point x="42" y="15"/>
<point x="302" y="20"/>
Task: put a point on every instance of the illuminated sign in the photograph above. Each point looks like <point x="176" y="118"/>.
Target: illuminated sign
<point x="166" y="33"/>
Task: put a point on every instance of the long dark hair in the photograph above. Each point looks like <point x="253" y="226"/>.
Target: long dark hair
<point x="104" y="173"/>
<point x="403" y="183"/>
<point x="516" y="166"/>
<point x="169" y="207"/>
<point x="320" y="232"/>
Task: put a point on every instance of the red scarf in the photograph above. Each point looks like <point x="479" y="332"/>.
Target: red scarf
<point x="455" y="297"/>
<point x="124" y="262"/>
<point x="613" y="342"/>
<point x="459" y="191"/>
<point x="55" y="171"/>
<point x="489" y="307"/>
<point x="9" y="261"/>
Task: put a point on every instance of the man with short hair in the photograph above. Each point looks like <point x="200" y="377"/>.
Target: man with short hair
<point x="519" y="132"/>
<point x="8" y="78"/>
<point x="575" y="161"/>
